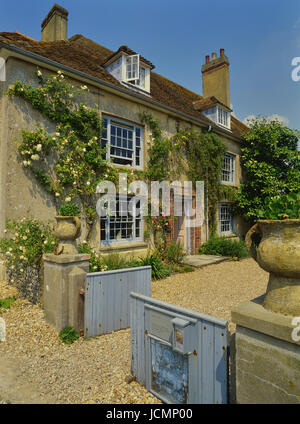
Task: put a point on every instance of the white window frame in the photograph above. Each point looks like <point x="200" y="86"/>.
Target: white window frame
<point x="129" y="126"/>
<point x="137" y="83"/>
<point x="223" y="117"/>
<point x="231" y="160"/>
<point x="230" y="229"/>
<point x="132" y="66"/>
<point x="125" y="220"/>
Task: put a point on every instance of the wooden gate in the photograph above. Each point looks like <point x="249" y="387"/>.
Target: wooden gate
<point x="107" y="297"/>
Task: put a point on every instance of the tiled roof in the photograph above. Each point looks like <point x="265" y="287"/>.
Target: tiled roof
<point x="86" y="56"/>
<point x="207" y="102"/>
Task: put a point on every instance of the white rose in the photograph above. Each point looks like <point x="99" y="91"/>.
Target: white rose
<point x="39" y="147"/>
<point x="35" y="157"/>
<point x="24" y="237"/>
<point x="57" y="194"/>
<point x="39" y="73"/>
<point x="68" y="199"/>
<point x="88" y="183"/>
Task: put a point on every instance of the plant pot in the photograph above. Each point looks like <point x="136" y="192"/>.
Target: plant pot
<point x="278" y="252"/>
<point x="67" y="231"/>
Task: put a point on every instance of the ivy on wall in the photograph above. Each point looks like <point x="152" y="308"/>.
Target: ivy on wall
<point x="197" y="154"/>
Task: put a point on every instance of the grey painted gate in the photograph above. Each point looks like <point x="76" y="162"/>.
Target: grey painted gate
<point x="107" y="297"/>
<point x="180" y="355"/>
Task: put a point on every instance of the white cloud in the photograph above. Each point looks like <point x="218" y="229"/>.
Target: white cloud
<point x="275" y="116"/>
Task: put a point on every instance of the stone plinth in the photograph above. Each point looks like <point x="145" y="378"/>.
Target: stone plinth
<point x="267" y="359"/>
<point x="64" y="284"/>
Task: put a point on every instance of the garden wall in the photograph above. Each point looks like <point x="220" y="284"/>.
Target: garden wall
<point x="29" y="282"/>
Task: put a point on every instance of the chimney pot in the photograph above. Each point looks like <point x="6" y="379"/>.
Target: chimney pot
<point x="207" y="58"/>
<point x="214" y="56"/>
<point x="222" y="52"/>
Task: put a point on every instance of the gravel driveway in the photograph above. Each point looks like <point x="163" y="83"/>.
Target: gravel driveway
<point x="35" y="367"/>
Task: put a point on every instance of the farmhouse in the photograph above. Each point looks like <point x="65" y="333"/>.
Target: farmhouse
<point x="123" y="85"/>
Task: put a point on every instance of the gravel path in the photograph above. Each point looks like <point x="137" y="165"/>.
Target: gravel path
<point x="35" y="367"/>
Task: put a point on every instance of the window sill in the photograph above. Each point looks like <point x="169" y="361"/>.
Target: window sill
<point x="228" y="183"/>
<point x="123" y="246"/>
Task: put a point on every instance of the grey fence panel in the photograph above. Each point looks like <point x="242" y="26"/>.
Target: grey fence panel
<point x="107" y="298"/>
<point x="208" y="364"/>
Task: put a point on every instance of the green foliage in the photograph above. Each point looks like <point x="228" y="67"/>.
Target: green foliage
<point x="198" y="154"/>
<point x="172" y="253"/>
<point x="75" y="148"/>
<point x="223" y="246"/>
<point x="6" y="303"/>
<point x="181" y="269"/>
<point x="204" y="154"/>
<point x="281" y="207"/>
<point x="271" y="161"/>
<point x="96" y="263"/>
<point x="26" y="242"/>
<point x="69" y="209"/>
<point x="159" y="270"/>
<point x="159" y="163"/>
<point x="68" y="335"/>
<point x="113" y="261"/>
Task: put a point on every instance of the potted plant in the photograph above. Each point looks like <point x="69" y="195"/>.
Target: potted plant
<point x="274" y="242"/>
<point x="67" y="228"/>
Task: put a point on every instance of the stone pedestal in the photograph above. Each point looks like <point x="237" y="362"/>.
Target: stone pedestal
<point x="267" y="359"/>
<point x="64" y="284"/>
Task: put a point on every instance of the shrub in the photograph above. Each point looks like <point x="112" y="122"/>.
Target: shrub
<point x="6" y="303"/>
<point x="96" y="263"/>
<point x="159" y="270"/>
<point x="68" y="335"/>
<point x="172" y="253"/>
<point x="28" y="239"/>
<point x="175" y="253"/>
<point x="224" y="247"/>
<point x="281" y="207"/>
<point x="69" y="209"/>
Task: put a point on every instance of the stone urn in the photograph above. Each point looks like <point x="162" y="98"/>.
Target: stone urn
<point x="278" y="252"/>
<point x="67" y="231"/>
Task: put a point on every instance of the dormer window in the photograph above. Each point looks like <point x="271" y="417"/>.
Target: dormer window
<point x="214" y="110"/>
<point x="130" y="69"/>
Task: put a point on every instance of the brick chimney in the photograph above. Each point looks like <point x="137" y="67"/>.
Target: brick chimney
<point x="55" y="25"/>
<point x="215" y="77"/>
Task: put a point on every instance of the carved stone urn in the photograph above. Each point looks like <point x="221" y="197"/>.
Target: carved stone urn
<point x="67" y="231"/>
<point x="278" y="252"/>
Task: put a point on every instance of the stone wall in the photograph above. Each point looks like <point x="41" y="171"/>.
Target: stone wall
<point x="29" y="282"/>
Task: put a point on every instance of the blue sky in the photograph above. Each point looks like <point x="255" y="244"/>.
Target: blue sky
<point x="260" y="37"/>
